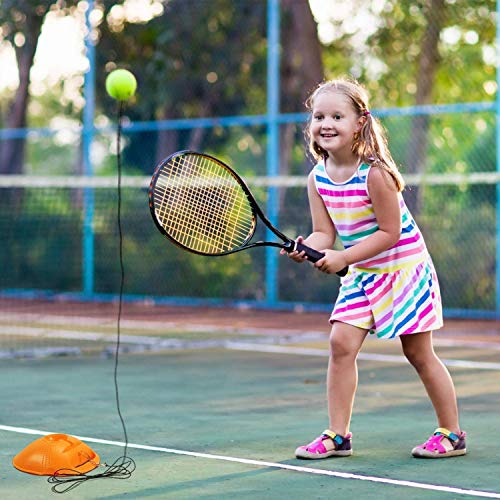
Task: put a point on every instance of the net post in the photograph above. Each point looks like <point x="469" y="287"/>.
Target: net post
<point x="87" y="139"/>
<point x="273" y="85"/>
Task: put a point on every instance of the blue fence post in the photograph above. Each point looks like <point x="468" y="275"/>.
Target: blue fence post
<point x="87" y="138"/>
<point x="273" y="153"/>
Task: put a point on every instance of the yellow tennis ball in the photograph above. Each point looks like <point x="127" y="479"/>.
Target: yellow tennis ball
<point x="121" y="84"/>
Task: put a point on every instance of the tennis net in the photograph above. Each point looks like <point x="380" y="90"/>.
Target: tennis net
<point x="60" y="243"/>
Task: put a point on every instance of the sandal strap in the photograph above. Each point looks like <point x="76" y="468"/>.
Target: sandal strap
<point x="447" y="433"/>
<point x="333" y="436"/>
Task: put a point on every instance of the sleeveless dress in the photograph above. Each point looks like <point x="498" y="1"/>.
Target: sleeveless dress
<point x="395" y="292"/>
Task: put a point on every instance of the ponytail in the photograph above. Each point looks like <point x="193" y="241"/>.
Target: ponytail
<point x="370" y="144"/>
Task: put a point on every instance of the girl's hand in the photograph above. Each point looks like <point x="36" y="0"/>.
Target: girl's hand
<point x="332" y="262"/>
<point x="296" y="256"/>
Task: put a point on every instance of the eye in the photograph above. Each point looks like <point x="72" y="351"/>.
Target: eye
<point x="337" y="117"/>
<point x="318" y="117"/>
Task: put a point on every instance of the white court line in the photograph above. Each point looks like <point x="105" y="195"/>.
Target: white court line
<point x="51" y="319"/>
<point x="174" y="343"/>
<point x="45" y="331"/>
<point x="47" y="320"/>
<point x="289" y="336"/>
<point x="49" y="333"/>
<point x="387" y="358"/>
<point x="274" y="465"/>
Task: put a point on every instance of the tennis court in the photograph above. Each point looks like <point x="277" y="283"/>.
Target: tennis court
<point x="216" y="400"/>
<point x="221" y="369"/>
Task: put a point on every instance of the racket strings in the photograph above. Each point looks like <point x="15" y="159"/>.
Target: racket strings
<point x="203" y="200"/>
<point x="202" y="206"/>
<point x="197" y="198"/>
<point x="205" y="215"/>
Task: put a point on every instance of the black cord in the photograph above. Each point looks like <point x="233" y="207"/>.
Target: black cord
<point x="122" y="274"/>
<point x="124" y="466"/>
<point x="121" y="468"/>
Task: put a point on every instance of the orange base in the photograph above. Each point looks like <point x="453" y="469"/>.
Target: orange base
<point x="56" y="454"/>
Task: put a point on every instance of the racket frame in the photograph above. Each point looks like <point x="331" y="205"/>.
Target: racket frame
<point x="287" y="244"/>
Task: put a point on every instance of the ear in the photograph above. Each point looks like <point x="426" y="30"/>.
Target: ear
<point x="360" y="124"/>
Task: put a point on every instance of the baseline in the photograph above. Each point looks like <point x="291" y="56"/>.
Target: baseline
<point x="274" y="465"/>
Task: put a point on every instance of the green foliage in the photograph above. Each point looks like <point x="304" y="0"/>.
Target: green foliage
<point x="195" y="60"/>
<point x="460" y="234"/>
<point x="208" y="58"/>
<point x="382" y="47"/>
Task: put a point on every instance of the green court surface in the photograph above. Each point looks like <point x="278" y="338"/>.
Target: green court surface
<point x="224" y="422"/>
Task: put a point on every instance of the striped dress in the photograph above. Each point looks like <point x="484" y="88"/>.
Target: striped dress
<point x="395" y="292"/>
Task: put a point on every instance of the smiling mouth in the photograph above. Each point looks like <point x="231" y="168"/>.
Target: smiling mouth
<point x="327" y="136"/>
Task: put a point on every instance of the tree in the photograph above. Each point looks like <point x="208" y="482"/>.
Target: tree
<point x="209" y="60"/>
<point x="301" y="68"/>
<point x="416" y="52"/>
<point x="435" y="14"/>
<point x="21" y="24"/>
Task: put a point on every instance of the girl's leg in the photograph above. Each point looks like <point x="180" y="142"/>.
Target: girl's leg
<point x="342" y="380"/>
<point x="420" y="353"/>
<point x="342" y="377"/>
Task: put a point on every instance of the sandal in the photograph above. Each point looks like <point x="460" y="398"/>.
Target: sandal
<point x="327" y="445"/>
<point x="443" y="443"/>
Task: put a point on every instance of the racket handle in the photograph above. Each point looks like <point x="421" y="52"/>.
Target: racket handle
<point x="314" y="256"/>
<point x="343" y="272"/>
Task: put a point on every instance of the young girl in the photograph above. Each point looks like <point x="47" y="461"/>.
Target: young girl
<point x="391" y="289"/>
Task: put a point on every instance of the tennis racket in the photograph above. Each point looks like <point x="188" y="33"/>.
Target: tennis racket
<point x="203" y="206"/>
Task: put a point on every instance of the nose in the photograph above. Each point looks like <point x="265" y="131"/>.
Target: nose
<point x="327" y="123"/>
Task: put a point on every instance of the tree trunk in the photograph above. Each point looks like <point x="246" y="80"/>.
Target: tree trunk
<point x="12" y="150"/>
<point x="168" y="143"/>
<point x="428" y="65"/>
<point x="301" y="71"/>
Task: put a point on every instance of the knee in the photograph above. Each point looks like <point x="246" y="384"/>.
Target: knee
<point x="418" y="359"/>
<point x="341" y="351"/>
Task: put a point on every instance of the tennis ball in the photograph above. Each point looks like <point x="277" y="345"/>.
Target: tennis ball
<point x="121" y="84"/>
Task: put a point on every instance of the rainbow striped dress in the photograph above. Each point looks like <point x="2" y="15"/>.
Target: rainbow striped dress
<point x="395" y="292"/>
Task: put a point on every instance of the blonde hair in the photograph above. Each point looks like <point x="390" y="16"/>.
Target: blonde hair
<point x="370" y="143"/>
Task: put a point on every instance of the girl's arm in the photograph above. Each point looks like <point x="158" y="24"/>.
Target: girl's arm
<point x="323" y="233"/>
<point x="385" y="201"/>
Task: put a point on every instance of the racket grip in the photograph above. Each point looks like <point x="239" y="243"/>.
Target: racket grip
<point x="314" y="256"/>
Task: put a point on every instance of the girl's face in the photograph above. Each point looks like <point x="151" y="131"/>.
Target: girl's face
<point x="334" y="122"/>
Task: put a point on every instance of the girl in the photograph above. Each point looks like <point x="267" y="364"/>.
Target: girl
<point x="391" y="288"/>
